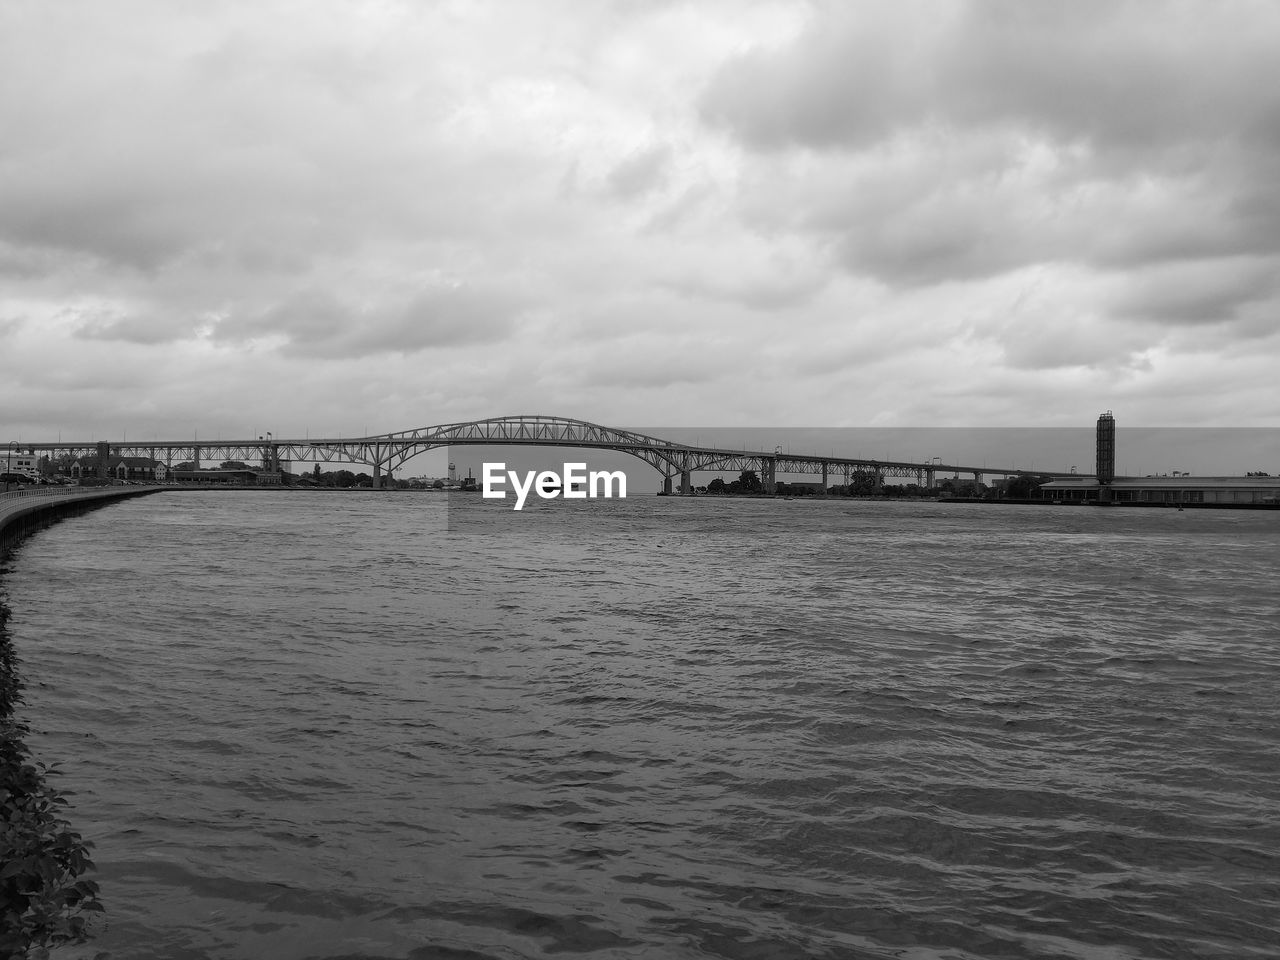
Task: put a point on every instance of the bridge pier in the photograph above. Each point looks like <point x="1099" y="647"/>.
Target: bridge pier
<point x="824" y="478"/>
<point x="769" y="474"/>
<point x="666" y="486"/>
<point x="686" y="475"/>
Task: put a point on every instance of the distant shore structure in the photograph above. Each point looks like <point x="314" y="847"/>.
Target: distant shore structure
<point x="1105" y="487"/>
<point x="1106" y="465"/>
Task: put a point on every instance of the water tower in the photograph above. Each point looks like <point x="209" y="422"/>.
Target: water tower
<point x="453" y="473"/>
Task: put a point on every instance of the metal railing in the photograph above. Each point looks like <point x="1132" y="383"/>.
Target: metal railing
<point x="21" y="490"/>
<point x="60" y="490"/>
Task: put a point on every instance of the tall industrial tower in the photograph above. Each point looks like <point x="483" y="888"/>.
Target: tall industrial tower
<point x="1106" y="467"/>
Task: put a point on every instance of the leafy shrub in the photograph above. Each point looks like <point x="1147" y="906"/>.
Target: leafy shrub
<point x="43" y="901"/>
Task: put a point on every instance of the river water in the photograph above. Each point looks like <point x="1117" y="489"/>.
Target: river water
<point x="320" y="725"/>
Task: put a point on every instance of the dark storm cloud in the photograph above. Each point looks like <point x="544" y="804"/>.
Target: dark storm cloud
<point x="641" y="172"/>
<point x="114" y="226"/>
<point x="446" y="317"/>
<point x="316" y="323"/>
<point x="139" y="328"/>
<point x="1197" y="294"/>
<point x="768" y="208"/>
<point x="968" y="139"/>
<point x="1112" y="74"/>
<point x="640" y="368"/>
<point x="765" y="293"/>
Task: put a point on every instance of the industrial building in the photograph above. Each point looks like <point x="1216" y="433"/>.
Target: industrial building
<point x="1178" y="488"/>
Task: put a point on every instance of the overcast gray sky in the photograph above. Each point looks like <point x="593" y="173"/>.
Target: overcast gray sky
<point x="368" y="216"/>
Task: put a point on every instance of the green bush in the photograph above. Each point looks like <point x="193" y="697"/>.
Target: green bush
<point x="43" y="901"/>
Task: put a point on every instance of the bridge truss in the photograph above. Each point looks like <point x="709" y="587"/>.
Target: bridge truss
<point x="387" y="452"/>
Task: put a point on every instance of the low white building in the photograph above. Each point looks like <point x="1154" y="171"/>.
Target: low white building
<point x="1176" y="489"/>
<point x="26" y="464"/>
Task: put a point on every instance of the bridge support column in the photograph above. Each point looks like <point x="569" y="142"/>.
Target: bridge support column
<point x="769" y="474"/>
<point x="824" y="479"/>
<point x="929" y="477"/>
<point x="686" y="483"/>
<point x="666" y="486"/>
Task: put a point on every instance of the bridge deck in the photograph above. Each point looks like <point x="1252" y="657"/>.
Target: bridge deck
<point x="389" y="451"/>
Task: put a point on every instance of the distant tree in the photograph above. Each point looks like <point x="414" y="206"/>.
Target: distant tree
<point x="716" y="486"/>
<point x="1024" y="487"/>
<point x="315" y="473"/>
<point x="750" y="481"/>
<point x="234" y="465"/>
<point x="862" y="483"/>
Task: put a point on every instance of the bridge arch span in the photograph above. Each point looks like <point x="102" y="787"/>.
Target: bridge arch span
<point x="666" y="457"/>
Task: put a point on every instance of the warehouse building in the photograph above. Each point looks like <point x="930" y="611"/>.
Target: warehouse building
<point x="1176" y="488"/>
<point x="1171" y="490"/>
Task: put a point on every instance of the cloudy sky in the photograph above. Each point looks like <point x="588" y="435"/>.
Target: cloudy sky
<point x="322" y="217"/>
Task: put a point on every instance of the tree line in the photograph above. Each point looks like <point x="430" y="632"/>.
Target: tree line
<point x="865" y="483"/>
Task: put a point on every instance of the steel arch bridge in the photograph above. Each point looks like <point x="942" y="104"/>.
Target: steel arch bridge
<point x="387" y="452"/>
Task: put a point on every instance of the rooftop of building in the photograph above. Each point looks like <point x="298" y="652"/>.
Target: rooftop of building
<point x="1182" y="481"/>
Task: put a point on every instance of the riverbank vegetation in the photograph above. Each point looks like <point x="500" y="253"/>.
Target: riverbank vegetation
<point x="44" y="902"/>
<point x="865" y="484"/>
